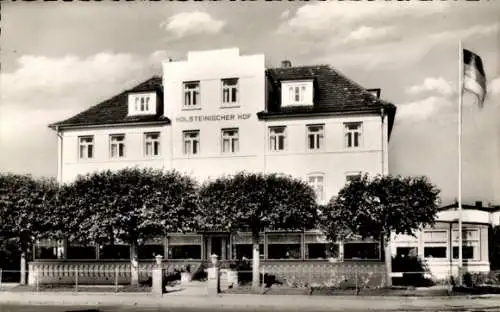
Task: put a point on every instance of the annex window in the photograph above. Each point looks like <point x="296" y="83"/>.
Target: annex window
<point x="317" y="182"/>
<point x="470" y="244"/>
<point x="230" y="91"/>
<point x="352" y="131"/>
<point x="191" y="94"/>
<point x="319" y="248"/>
<point x="117" y="145"/>
<point x="315" y="137"/>
<point x="86" y="147"/>
<point x="184" y="247"/>
<point x="361" y="250"/>
<point x="230" y="141"/>
<point x="284" y="246"/>
<point x="436" y="244"/>
<point x="191" y="140"/>
<point x="277" y="138"/>
<point x="243" y="248"/>
<point x="152" y="144"/>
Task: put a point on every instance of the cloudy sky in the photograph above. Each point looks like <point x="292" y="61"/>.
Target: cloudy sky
<point x="60" y="58"/>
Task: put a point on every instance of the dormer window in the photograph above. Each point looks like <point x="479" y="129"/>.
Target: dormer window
<point x="142" y="104"/>
<point x="297" y="93"/>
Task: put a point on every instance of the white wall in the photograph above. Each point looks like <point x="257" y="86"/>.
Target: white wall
<point x="209" y="67"/>
<point x="134" y="150"/>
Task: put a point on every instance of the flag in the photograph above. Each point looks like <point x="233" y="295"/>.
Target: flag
<point x="474" y="76"/>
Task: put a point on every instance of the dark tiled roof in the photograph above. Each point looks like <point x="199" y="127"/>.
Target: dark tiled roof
<point x="477" y="206"/>
<point x="334" y="93"/>
<point x="115" y="109"/>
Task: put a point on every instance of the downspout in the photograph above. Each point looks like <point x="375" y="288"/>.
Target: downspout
<point x="382" y="140"/>
<point x="59" y="158"/>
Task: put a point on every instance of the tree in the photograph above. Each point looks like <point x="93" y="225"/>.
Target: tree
<point x="25" y="203"/>
<point x="255" y="203"/>
<point x="130" y="205"/>
<point x="375" y="208"/>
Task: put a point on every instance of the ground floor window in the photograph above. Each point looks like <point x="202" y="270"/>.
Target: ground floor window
<point x="284" y="246"/>
<point x="80" y="251"/>
<point x="184" y="247"/>
<point x="470" y="244"/>
<point x="243" y="248"/>
<point x="49" y="249"/>
<point x="116" y="252"/>
<point x="361" y="251"/>
<point x="435" y="244"/>
<point x="319" y="248"/>
<point x="151" y="248"/>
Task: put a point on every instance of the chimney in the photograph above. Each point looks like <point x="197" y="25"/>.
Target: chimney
<point x="479" y="204"/>
<point x="286" y="64"/>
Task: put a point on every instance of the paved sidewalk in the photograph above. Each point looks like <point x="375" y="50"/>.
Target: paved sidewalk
<point x="253" y="302"/>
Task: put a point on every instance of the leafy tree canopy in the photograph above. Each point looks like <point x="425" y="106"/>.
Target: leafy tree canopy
<point x="25" y="204"/>
<point x="369" y="208"/>
<point x="257" y="202"/>
<point x="128" y="205"/>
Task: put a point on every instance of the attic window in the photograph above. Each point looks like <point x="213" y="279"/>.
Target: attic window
<point x="297" y="92"/>
<point x="142" y="104"/>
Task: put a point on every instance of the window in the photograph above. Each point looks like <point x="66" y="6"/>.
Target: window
<point x="296" y="93"/>
<point x="318" y="247"/>
<point x="243" y="248"/>
<point x="151" y="248"/>
<point x="277" y="136"/>
<point x="184" y="247"/>
<point x="49" y="249"/>
<point x="352" y="177"/>
<point x="315" y="137"/>
<point x="142" y="103"/>
<point x="79" y="251"/>
<point x="191" y="142"/>
<point x="86" y="147"/>
<point x="352" y="134"/>
<point x="229" y="91"/>
<point x="117" y="145"/>
<point x="436" y="244"/>
<point x="362" y="250"/>
<point x="283" y="246"/>
<point x="191" y="94"/>
<point x="317" y="182"/>
<point x="116" y="252"/>
<point x="230" y="141"/>
<point x="470" y="244"/>
<point x="152" y="144"/>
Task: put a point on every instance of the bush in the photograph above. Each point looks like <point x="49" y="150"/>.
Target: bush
<point x="410" y="265"/>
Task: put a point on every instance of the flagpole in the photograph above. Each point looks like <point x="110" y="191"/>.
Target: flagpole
<point x="460" y="100"/>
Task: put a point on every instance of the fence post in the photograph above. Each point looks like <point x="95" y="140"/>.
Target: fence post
<point x="1" y="278"/>
<point x="37" y="272"/>
<point x="263" y="286"/>
<point x="22" y="280"/>
<point x="76" y="279"/>
<point x="116" y="279"/>
<point x="356" y="277"/>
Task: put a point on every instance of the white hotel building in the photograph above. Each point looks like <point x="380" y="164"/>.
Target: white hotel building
<point x="219" y="112"/>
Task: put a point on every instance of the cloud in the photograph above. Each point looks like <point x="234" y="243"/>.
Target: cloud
<point x="327" y="16"/>
<point x="44" y="89"/>
<point x="192" y="23"/>
<point x="456" y="34"/>
<point x="365" y="33"/>
<point x="285" y="14"/>
<point x="422" y="109"/>
<point x="494" y="87"/>
<point x="432" y="84"/>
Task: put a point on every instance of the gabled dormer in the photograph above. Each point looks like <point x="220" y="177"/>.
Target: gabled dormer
<point x="142" y="103"/>
<point x="297" y="92"/>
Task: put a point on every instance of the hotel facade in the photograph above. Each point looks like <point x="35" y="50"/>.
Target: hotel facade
<point x="219" y="112"/>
